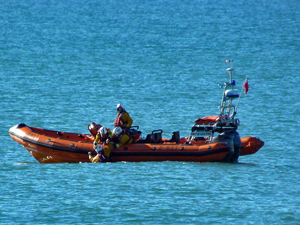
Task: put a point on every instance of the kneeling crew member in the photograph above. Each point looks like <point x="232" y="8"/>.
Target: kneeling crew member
<point x="120" y="138"/>
<point x="104" y="136"/>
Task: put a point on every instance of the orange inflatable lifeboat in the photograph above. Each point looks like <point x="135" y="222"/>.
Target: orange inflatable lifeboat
<point x="212" y="139"/>
<point x="48" y="146"/>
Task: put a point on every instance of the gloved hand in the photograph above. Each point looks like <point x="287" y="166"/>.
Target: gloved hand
<point x="116" y="145"/>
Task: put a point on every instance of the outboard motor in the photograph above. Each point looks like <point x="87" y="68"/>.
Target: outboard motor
<point x="233" y="140"/>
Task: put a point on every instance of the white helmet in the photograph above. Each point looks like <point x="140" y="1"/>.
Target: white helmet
<point x="103" y="131"/>
<point x="98" y="148"/>
<point x="120" y="106"/>
<point x="117" y="131"/>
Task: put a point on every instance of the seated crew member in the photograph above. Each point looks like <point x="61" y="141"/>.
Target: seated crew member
<point x="104" y="135"/>
<point x="120" y="138"/>
<point x="100" y="157"/>
<point x="123" y="119"/>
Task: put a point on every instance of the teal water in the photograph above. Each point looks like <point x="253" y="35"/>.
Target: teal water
<point x="65" y="64"/>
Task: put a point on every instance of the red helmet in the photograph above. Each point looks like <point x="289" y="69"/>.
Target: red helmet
<point x="93" y="128"/>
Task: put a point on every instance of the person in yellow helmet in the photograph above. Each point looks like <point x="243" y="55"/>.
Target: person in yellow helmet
<point x="123" y="119"/>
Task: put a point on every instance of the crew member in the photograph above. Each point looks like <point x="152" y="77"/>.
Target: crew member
<point x="120" y="137"/>
<point x="123" y="119"/>
<point x="100" y="157"/>
<point x="104" y="136"/>
<point x="93" y="128"/>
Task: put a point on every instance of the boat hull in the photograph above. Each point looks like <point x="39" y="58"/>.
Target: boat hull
<point x="61" y="147"/>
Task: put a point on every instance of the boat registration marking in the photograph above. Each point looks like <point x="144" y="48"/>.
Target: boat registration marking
<point x="168" y="148"/>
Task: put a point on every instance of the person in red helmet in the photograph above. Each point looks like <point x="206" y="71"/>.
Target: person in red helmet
<point x="94" y="128"/>
<point x="123" y="119"/>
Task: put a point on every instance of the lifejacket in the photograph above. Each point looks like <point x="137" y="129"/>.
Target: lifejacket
<point x="117" y="140"/>
<point x="103" y="139"/>
<point x="119" y="120"/>
<point x="102" y="158"/>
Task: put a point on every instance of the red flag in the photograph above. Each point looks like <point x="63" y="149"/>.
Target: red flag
<point x="246" y="86"/>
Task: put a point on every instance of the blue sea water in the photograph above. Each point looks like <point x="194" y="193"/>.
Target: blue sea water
<point x="65" y="64"/>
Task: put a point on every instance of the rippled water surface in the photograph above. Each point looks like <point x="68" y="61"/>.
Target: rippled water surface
<point x="65" y="64"/>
